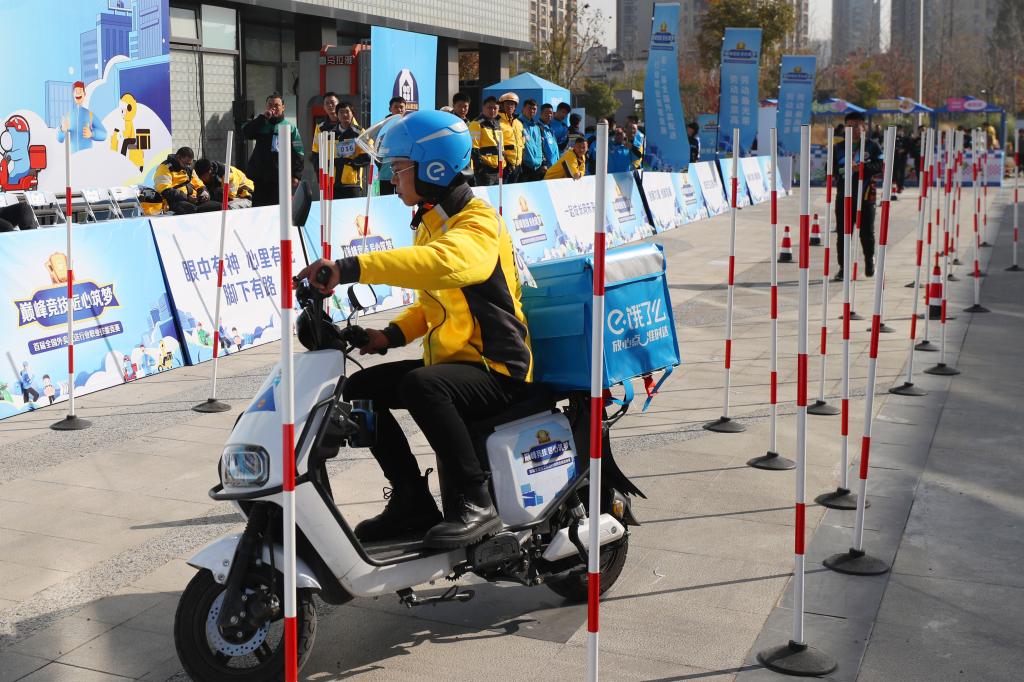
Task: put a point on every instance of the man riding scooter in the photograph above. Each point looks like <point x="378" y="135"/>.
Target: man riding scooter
<point x="477" y="359"/>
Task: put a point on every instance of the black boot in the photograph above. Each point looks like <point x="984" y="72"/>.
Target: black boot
<point x="471" y="519"/>
<point x="410" y="509"/>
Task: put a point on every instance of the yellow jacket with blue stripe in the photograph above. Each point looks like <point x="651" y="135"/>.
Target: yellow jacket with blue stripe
<point x="462" y="263"/>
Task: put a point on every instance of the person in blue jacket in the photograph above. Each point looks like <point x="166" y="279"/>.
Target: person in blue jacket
<point x="548" y="140"/>
<point x="534" y="167"/>
<point x="560" y="125"/>
<point x="621" y="152"/>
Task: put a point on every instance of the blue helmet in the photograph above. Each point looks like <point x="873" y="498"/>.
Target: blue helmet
<point x="437" y="141"/>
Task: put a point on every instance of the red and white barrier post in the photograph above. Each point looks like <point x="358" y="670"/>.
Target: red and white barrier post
<point x="976" y="307"/>
<point x="908" y="387"/>
<point x="856" y="242"/>
<point x="284" y="189"/>
<point x="954" y="215"/>
<point x="725" y="423"/>
<point x="71" y="422"/>
<point x="934" y="181"/>
<point x="941" y="368"/>
<point x="211" y="404"/>
<point x="820" y="406"/>
<point x="501" y="174"/>
<point x="596" y="405"/>
<point x="841" y="497"/>
<point x="983" y="139"/>
<point x="771" y="459"/>
<point x="1016" y="198"/>
<point x="856" y="561"/>
<point x="796" y="657"/>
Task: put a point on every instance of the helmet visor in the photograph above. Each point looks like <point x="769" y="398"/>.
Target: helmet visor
<point x="369" y="140"/>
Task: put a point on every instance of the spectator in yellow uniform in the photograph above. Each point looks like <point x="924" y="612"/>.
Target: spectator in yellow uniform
<point x="349" y="158"/>
<point x="572" y="164"/>
<point x="513" y="136"/>
<point x="635" y="140"/>
<point x="179" y="186"/>
<point x="240" y="187"/>
<point x="484" y="132"/>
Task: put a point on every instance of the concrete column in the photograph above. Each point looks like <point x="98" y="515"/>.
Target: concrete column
<point x="447" y="71"/>
<point x="493" y="64"/>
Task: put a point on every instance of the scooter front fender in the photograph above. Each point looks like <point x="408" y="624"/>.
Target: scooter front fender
<point x="218" y="555"/>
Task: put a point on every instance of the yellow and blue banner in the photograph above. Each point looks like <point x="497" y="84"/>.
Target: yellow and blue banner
<point x="667" y="146"/>
<point x="741" y="56"/>
<point x="796" y="93"/>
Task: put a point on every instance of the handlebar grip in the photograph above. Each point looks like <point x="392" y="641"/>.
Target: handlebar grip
<point x="323" y="276"/>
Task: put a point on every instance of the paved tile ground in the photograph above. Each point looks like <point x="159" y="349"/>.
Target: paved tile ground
<point x="95" y="526"/>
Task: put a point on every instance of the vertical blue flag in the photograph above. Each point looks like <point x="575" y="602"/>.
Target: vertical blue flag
<point x="404" y="64"/>
<point x="708" y="135"/>
<point x="741" y="56"/>
<point x="667" y="146"/>
<point x="796" y="93"/>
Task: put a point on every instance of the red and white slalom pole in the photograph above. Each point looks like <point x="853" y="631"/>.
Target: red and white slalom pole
<point x="725" y="424"/>
<point x="1016" y="198"/>
<point x="941" y="368"/>
<point x="323" y="152"/>
<point x="856" y="561"/>
<point x="908" y="387"/>
<point x="797" y="656"/>
<point x="771" y="459"/>
<point x="983" y="138"/>
<point x="596" y="406"/>
<point x="332" y="150"/>
<point x="211" y="404"/>
<point x="501" y="174"/>
<point x="820" y="406"/>
<point x="71" y="422"/>
<point x="976" y="307"/>
<point x="841" y="497"/>
<point x="856" y="242"/>
<point x="287" y="398"/>
<point x="934" y="182"/>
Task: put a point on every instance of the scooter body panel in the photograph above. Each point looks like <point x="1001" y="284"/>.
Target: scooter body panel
<point x="218" y="556"/>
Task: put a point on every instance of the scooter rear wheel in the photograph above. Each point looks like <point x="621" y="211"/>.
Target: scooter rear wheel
<point x="574" y="585"/>
<point x="207" y="657"/>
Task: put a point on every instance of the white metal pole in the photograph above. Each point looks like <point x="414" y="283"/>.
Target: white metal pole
<point x="1016" y="198"/>
<point x="284" y="188"/>
<point x="860" y="212"/>
<point x="983" y="138"/>
<point x="942" y="368"/>
<point x="596" y="405"/>
<point x="932" y="230"/>
<point x="725" y="424"/>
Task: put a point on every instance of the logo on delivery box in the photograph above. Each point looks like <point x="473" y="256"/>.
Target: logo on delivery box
<point x="49" y="306"/>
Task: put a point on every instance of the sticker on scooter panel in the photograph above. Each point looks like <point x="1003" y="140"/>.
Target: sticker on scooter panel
<point x="530" y="496"/>
<point x="264" y="402"/>
<point x="546" y="448"/>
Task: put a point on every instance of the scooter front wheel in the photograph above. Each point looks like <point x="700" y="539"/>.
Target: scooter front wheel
<point x="208" y="657"/>
<point x="574" y="585"/>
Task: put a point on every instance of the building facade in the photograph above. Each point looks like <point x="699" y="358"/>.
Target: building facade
<point x="860" y="26"/>
<point x="947" y="23"/>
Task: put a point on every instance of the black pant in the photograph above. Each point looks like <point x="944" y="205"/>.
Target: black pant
<point x="265" y="193"/>
<point x="29" y="391"/>
<point x="347" y="192"/>
<point x="532" y="174"/>
<point x="16" y="215"/>
<point x="867" y="229"/>
<point x="441" y="399"/>
<point x="187" y="207"/>
<point x="486" y="178"/>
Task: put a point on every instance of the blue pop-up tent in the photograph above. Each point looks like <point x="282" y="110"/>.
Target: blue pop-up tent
<point x="833" y="106"/>
<point x="527" y="86"/>
<point x="970" y="105"/>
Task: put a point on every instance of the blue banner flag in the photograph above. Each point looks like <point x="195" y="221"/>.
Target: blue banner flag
<point x="796" y="93"/>
<point x="741" y="56"/>
<point x="667" y="146"/>
<point x="404" y="65"/>
<point x="708" y="136"/>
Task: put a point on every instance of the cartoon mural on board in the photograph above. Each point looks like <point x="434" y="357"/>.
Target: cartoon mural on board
<point x="98" y="80"/>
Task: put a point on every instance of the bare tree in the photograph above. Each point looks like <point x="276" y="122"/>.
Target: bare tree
<point x="564" y="55"/>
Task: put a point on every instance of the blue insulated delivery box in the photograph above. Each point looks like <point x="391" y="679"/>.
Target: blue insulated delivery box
<point x="639" y="333"/>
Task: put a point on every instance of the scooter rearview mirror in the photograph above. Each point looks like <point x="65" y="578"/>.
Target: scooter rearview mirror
<point x="361" y="296"/>
<point x="302" y="200"/>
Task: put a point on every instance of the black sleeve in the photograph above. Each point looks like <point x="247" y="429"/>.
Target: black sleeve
<point x="874" y="164"/>
<point x="395" y="337"/>
<point x="252" y="129"/>
<point x="298" y="163"/>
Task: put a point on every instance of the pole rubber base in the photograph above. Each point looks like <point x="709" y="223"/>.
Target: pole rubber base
<point x="908" y="285"/>
<point x="840" y="498"/>
<point x="854" y="316"/>
<point x="883" y="328"/>
<point x="943" y="370"/>
<point x="952" y="278"/>
<point x="956" y="261"/>
<point x="71" y="423"/>
<point x="1014" y="268"/>
<point x="785" y="259"/>
<point x="815" y="241"/>
<point x="725" y="425"/>
<point x="908" y="388"/>
<point x="856" y="562"/>
<point x="823" y="409"/>
<point x="926" y="346"/>
<point x="985" y="245"/>
<point x="796" y="659"/>
<point x="980" y="274"/>
<point x="211" y="405"/>
<point x="771" y="461"/>
<point x="976" y="308"/>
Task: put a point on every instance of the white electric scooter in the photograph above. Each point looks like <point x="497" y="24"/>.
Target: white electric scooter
<point x="229" y="622"/>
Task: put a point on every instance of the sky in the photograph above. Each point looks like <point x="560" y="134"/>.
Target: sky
<point x="821" y="19"/>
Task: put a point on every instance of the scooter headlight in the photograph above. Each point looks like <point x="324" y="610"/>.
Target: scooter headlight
<point x="244" y="466"/>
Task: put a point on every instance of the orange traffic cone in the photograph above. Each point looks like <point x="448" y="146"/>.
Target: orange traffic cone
<point x="815" y="232"/>
<point x="786" y="250"/>
<point x="935" y="292"/>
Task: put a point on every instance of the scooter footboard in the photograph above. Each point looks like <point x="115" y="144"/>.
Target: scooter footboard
<point x="218" y="555"/>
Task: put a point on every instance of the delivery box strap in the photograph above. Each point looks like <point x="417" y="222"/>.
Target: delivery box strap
<point x="652" y="387"/>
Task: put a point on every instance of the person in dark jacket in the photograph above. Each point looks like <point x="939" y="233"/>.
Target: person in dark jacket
<point x="872" y="167"/>
<point x="693" y="137"/>
<point x="262" y="166"/>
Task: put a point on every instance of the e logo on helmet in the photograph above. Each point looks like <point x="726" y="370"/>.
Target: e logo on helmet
<point x="435" y="170"/>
